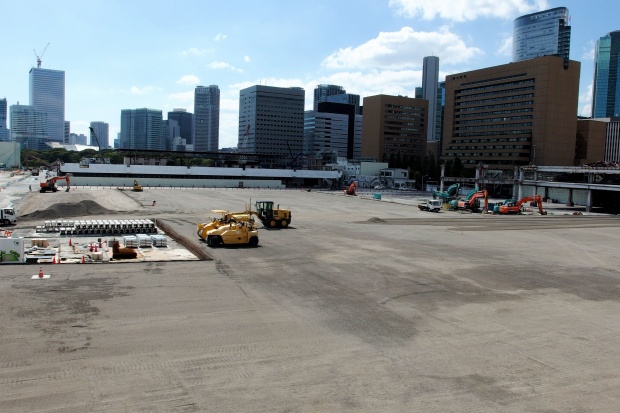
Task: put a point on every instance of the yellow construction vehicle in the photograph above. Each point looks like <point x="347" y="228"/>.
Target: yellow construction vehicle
<point x="227" y="217"/>
<point x="234" y="233"/>
<point x="136" y="186"/>
<point x="272" y="217"/>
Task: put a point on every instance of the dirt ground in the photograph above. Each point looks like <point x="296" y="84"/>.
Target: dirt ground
<point x="359" y="306"/>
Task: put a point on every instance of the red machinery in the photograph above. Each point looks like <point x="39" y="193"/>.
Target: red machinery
<point x="50" y="184"/>
<point x="472" y="202"/>
<point x="352" y="189"/>
<point x="515" y="207"/>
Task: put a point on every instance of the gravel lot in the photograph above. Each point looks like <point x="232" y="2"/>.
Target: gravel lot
<point x="360" y="306"/>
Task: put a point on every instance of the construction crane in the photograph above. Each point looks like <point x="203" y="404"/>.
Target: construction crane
<point x="245" y="138"/>
<point x="39" y="58"/>
<point x="93" y="138"/>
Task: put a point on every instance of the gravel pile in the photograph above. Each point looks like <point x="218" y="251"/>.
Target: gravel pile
<point x="80" y="209"/>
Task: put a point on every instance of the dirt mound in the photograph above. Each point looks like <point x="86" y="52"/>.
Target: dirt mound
<point x="68" y="210"/>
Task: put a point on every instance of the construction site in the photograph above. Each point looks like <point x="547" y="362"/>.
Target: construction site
<point x="347" y="301"/>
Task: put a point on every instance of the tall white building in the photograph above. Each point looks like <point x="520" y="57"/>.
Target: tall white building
<point x="47" y="95"/>
<point x="206" y="118"/>
<point x="271" y="120"/>
<point x="430" y="82"/>
<point x="101" y="129"/>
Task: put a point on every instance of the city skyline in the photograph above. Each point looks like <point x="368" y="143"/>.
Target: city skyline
<point x="131" y="62"/>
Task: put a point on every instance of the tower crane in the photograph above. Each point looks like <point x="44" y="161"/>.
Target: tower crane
<point x="39" y="58"/>
<point x="93" y="138"/>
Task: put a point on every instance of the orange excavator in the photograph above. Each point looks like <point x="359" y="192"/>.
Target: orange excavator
<point x="352" y="189"/>
<point x="512" y="207"/>
<point x="50" y="184"/>
<point x="473" y="201"/>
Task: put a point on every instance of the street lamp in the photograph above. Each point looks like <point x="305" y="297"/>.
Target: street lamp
<point x="424" y="176"/>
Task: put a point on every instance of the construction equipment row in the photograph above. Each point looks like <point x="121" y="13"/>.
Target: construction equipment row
<point x="90" y="227"/>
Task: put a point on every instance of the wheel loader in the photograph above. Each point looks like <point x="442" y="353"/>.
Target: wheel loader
<point x="235" y="233"/>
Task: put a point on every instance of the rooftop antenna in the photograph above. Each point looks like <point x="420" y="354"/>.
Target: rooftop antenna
<point x="41" y="56"/>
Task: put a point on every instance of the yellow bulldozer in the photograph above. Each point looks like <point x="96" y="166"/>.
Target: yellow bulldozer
<point x="136" y="186"/>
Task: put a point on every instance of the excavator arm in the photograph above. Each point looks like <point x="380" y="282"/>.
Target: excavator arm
<point x="532" y="198"/>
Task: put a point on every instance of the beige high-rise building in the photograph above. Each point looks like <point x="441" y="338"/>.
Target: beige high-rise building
<point x="394" y="125"/>
<point x="513" y="115"/>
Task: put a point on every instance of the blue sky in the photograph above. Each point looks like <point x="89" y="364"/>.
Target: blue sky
<point x="135" y="54"/>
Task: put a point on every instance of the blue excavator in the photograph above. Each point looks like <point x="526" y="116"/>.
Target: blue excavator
<point x="449" y="194"/>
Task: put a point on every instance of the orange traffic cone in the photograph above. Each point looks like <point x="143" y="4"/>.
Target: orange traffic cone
<point x="83" y="260"/>
<point x="54" y="259"/>
<point x="40" y="272"/>
<point x="70" y="243"/>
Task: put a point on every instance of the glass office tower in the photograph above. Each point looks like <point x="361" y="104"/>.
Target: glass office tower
<point x="206" y="118"/>
<point x="606" y="87"/>
<point x="47" y="95"/>
<point x="321" y="92"/>
<point x="545" y="33"/>
<point x="141" y="129"/>
<point x="430" y="80"/>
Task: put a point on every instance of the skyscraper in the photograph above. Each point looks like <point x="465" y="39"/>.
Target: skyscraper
<point x="4" y="132"/>
<point x="206" y="118"/>
<point x="321" y="92"/>
<point x="67" y="131"/>
<point x="271" y="120"/>
<point x="185" y="122"/>
<point x="47" y="95"/>
<point x="141" y="129"/>
<point x="430" y="81"/>
<point x="29" y="127"/>
<point x="101" y="129"/>
<point x="545" y="33"/>
<point x="606" y="90"/>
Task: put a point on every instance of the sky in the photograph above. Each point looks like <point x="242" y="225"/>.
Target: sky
<point x="120" y="54"/>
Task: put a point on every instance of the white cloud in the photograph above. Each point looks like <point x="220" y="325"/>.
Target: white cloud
<point x="219" y="37"/>
<point x="183" y="99"/>
<point x="505" y="48"/>
<point x="271" y="81"/>
<point x="224" y="65"/>
<point x="585" y="102"/>
<point x="135" y="90"/>
<point x="404" y="49"/>
<point x="464" y="10"/>
<point x="246" y="58"/>
<point x="590" y="52"/>
<point x="188" y="80"/>
<point x="195" y="52"/>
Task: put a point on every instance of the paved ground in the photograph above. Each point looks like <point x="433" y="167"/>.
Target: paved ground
<point x="360" y="306"/>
